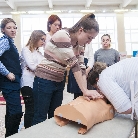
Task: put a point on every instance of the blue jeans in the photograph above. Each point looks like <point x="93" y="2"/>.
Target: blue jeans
<point x="11" y="94"/>
<point x="48" y="95"/>
<point x="13" y="101"/>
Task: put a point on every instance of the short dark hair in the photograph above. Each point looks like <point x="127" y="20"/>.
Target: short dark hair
<point x="51" y="20"/>
<point x="98" y="67"/>
<point x="92" y="77"/>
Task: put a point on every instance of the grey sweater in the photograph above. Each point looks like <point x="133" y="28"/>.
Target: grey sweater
<point x="108" y="56"/>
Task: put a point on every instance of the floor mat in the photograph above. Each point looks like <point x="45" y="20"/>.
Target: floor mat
<point x="3" y="102"/>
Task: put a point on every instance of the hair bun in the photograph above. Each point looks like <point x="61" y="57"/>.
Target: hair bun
<point x="99" y="67"/>
<point x="92" y="16"/>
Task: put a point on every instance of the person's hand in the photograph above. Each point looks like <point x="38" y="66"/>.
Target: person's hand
<point x="92" y="94"/>
<point x="11" y="76"/>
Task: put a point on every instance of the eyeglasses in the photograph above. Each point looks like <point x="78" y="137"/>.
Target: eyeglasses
<point x="42" y="39"/>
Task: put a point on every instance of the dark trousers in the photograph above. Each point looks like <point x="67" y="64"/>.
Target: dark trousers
<point x="48" y="95"/>
<point x="27" y="94"/>
<point x="77" y="95"/>
<point x="13" y="111"/>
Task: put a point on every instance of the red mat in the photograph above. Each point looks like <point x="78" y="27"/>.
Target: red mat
<point x="3" y="102"/>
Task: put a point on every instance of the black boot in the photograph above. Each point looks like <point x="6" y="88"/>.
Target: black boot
<point x="12" y="124"/>
<point x="27" y="94"/>
<point x="6" y="119"/>
<point x="29" y="111"/>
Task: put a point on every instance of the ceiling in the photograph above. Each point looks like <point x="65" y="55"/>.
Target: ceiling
<point x="66" y="5"/>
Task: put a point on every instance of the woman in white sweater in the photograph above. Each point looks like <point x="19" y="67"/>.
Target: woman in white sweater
<point x="30" y="58"/>
<point x="119" y="84"/>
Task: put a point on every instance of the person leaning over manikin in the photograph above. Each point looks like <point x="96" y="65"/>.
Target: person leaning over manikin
<point x="63" y="49"/>
<point x="72" y="86"/>
<point x="119" y="84"/>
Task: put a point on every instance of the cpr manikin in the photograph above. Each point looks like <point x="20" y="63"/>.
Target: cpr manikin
<point x="84" y="112"/>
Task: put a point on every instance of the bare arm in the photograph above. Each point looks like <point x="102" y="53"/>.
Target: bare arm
<point x="88" y="70"/>
<point x="81" y="80"/>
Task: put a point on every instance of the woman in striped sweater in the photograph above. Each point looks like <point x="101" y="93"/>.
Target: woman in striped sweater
<point x="119" y="84"/>
<point x="64" y="48"/>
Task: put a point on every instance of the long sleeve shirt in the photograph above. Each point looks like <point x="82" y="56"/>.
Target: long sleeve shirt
<point x="4" y="46"/>
<point x="29" y="60"/>
<point x="114" y="83"/>
<point x="59" y="53"/>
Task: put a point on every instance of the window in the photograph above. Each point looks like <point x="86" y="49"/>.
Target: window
<point x="107" y="24"/>
<point x="30" y="23"/>
<point x="131" y="32"/>
<point x="35" y="22"/>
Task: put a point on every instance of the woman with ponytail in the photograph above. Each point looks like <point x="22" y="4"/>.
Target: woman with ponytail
<point x="30" y="58"/>
<point x="64" y="48"/>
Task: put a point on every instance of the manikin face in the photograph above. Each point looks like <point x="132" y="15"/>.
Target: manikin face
<point x="86" y="37"/>
<point x="41" y="42"/>
<point x="10" y="30"/>
<point x="105" y="41"/>
<point x="55" y="26"/>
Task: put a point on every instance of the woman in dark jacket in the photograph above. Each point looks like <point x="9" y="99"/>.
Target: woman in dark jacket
<point x="10" y="74"/>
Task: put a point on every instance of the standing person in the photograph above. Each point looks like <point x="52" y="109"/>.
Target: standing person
<point x="119" y="84"/>
<point x="106" y="54"/>
<point x="49" y="80"/>
<point x="10" y="74"/>
<point x="31" y="57"/>
<point x="72" y="85"/>
<point x="54" y="24"/>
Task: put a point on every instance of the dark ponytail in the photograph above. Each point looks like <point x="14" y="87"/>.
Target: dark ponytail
<point x="87" y="22"/>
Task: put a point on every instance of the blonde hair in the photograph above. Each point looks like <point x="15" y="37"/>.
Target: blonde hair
<point x="87" y="22"/>
<point x="34" y="38"/>
<point x="4" y="22"/>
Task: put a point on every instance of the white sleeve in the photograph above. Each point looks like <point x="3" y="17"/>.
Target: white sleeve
<point x="90" y="55"/>
<point x="28" y="57"/>
<point x="114" y="93"/>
